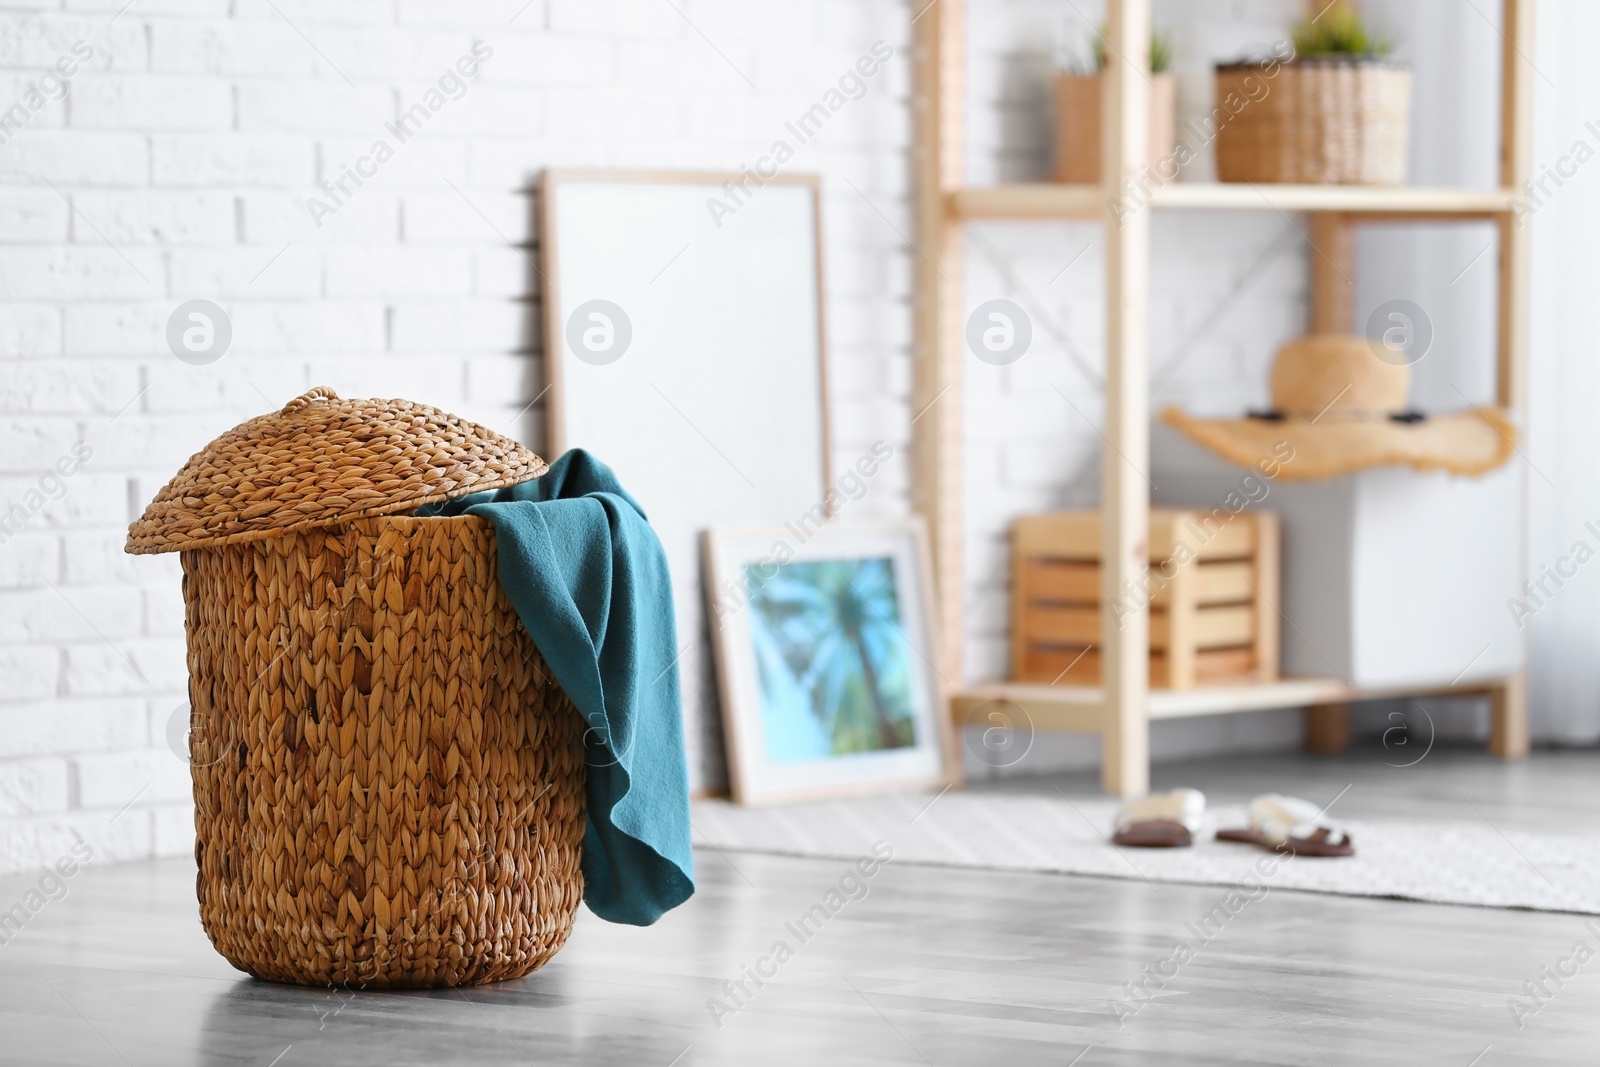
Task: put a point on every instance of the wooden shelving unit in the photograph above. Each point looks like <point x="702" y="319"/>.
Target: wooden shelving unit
<point x="1120" y="710"/>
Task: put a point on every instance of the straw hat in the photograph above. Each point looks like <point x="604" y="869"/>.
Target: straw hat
<point x="1342" y="409"/>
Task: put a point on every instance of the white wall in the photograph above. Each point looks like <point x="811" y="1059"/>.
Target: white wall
<point x="1564" y="443"/>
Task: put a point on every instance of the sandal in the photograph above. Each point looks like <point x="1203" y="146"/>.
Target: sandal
<point x="1164" y="820"/>
<point x="1289" y="824"/>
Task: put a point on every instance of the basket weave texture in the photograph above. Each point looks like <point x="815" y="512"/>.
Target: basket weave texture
<point x="1315" y="122"/>
<point x="322" y="461"/>
<point x="388" y="784"/>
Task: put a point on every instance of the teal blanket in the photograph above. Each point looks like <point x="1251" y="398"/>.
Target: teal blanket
<point x="588" y="578"/>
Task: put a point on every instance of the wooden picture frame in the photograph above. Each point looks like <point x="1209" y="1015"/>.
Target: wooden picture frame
<point x="551" y="181"/>
<point x="885" y="726"/>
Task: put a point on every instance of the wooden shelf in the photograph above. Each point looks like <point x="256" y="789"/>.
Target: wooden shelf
<point x="1120" y="713"/>
<point x="1036" y="201"/>
<point x="1080" y="709"/>
<point x="1055" y="201"/>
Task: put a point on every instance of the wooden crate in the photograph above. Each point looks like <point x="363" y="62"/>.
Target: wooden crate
<point x="1212" y="595"/>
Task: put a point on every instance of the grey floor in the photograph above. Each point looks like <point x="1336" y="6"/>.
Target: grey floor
<point x="934" y="966"/>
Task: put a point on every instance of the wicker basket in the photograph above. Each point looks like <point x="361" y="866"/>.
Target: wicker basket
<point x="388" y="784"/>
<point x="1314" y="122"/>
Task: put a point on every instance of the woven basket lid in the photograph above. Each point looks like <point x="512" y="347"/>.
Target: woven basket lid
<point x="322" y="461"/>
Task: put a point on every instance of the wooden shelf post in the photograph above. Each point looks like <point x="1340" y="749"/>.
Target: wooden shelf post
<point x="1125" y="486"/>
<point x="1327" y="729"/>
<point x="936" y="395"/>
<point x="1333" y="272"/>
<point x="1508" y="718"/>
<point x="1332" y="310"/>
<point x="1508" y="706"/>
<point x="1516" y="168"/>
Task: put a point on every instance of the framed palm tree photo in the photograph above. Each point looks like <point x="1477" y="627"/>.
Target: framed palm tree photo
<point x="825" y="649"/>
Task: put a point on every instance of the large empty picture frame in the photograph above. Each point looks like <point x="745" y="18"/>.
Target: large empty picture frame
<point x="684" y="347"/>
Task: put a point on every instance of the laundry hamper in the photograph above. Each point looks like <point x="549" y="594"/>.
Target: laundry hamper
<point x="388" y="784"/>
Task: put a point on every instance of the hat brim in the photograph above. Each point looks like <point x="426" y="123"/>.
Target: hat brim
<point x="1467" y="443"/>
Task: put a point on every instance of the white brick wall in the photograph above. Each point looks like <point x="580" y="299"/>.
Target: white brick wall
<point x="178" y="167"/>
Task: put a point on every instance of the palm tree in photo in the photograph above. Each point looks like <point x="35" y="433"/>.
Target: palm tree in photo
<point x="836" y="624"/>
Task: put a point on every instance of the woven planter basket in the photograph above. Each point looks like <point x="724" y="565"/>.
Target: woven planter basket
<point x="388" y="784"/>
<point x="1318" y="122"/>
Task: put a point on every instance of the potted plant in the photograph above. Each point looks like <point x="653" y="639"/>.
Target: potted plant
<point x="1336" y="111"/>
<point x="1080" y="105"/>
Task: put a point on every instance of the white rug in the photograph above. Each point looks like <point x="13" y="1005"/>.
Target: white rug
<point x="1442" y="862"/>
